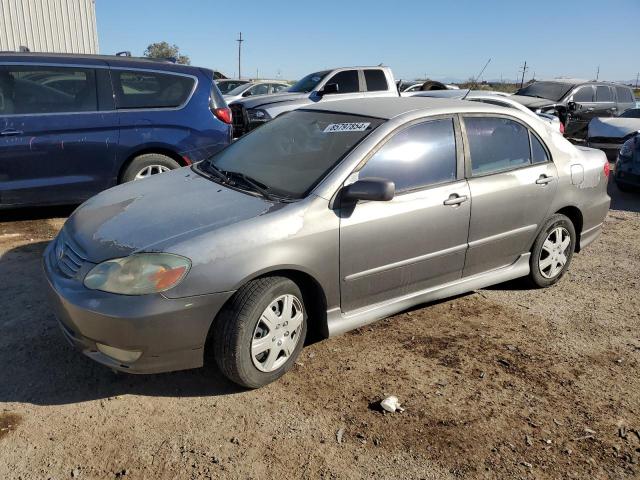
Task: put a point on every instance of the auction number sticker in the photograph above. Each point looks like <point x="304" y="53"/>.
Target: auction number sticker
<point x="346" y="127"/>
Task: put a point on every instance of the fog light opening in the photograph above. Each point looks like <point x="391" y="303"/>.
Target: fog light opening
<point x="119" y="354"/>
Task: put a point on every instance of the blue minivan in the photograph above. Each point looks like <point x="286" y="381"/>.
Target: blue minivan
<point x="73" y="125"/>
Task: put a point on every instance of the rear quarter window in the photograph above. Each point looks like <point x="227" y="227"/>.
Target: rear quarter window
<point x="142" y="89"/>
<point x="625" y="95"/>
<point x="376" y="80"/>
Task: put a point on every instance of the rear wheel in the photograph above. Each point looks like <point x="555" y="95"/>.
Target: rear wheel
<point x="260" y="333"/>
<point x="147" y="165"/>
<point x="552" y="251"/>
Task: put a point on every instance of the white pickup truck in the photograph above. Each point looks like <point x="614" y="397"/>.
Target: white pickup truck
<point x="322" y="86"/>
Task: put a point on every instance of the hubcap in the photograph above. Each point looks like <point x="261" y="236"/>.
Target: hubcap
<point x="553" y="256"/>
<point x="277" y="333"/>
<point x="151" y="170"/>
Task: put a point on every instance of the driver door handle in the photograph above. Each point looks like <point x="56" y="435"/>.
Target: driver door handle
<point x="455" y="199"/>
<point x="10" y="131"/>
<point x="544" y="179"/>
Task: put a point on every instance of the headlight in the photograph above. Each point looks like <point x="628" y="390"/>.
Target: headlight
<point x="138" y="274"/>
<point x="259" y="115"/>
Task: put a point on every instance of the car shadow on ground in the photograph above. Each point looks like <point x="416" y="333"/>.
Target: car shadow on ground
<point x="39" y="367"/>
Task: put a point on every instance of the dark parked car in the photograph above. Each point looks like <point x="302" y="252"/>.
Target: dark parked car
<point x="609" y="134"/>
<point x="627" y="171"/>
<point x="73" y="125"/>
<point x="576" y="102"/>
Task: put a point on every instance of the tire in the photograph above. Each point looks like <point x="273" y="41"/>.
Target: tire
<point x="546" y="266"/>
<point x="148" y="161"/>
<point x="242" y="323"/>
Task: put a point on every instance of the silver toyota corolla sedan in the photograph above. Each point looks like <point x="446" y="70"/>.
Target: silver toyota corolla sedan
<point x="325" y="219"/>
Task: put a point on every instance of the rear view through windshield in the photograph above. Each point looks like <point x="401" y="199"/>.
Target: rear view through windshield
<point x="292" y="153"/>
<point x="551" y="90"/>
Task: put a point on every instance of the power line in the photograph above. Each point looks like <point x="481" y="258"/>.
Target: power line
<point x="239" y="40"/>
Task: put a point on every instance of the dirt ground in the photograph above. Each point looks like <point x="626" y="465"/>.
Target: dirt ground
<point x="505" y="382"/>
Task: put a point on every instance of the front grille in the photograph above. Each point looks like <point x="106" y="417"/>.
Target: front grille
<point x="239" y="119"/>
<point x="68" y="256"/>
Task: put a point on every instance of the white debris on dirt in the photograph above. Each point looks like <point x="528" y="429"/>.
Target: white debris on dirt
<point x="391" y="404"/>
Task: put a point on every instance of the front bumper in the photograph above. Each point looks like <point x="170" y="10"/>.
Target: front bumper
<point x="170" y="333"/>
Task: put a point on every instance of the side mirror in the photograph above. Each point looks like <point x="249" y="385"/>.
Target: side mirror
<point x="247" y="93"/>
<point x="373" y="189"/>
<point x="573" y="106"/>
<point x="329" y="88"/>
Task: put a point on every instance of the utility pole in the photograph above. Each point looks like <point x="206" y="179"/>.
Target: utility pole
<point x="239" y="40"/>
<point x="524" y="69"/>
<point x="637" y="75"/>
<point x="597" y="73"/>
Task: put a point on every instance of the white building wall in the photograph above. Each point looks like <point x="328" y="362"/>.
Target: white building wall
<point x="65" y="26"/>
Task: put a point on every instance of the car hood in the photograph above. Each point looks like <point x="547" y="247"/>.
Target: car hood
<point x="263" y="100"/>
<point x="613" y="127"/>
<point x="532" y="102"/>
<point x="154" y="213"/>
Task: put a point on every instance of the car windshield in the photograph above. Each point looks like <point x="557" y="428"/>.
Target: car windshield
<point x="308" y="83"/>
<point x="631" y="113"/>
<point x="550" y="90"/>
<point x="291" y="154"/>
<point x="226" y="87"/>
<point x="238" y="90"/>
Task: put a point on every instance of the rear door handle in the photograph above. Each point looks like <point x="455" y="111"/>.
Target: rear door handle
<point x="10" y="131"/>
<point x="544" y="179"/>
<point x="455" y="199"/>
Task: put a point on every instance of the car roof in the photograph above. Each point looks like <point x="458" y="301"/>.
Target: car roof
<point x="580" y="81"/>
<point x="97" y="60"/>
<point x="389" y="107"/>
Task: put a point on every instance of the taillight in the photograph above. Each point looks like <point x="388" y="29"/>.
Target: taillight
<point x="562" y="128"/>
<point x="223" y="114"/>
<point x="607" y="168"/>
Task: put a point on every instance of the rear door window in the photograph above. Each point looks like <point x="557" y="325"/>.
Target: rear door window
<point x="276" y="87"/>
<point x="347" y="80"/>
<point x="603" y="94"/>
<point x="416" y="157"/>
<point x="496" y="144"/>
<point x="376" y="80"/>
<point x="37" y="90"/>
<point x="143" y="89"/>
<point x="538" y="152"/>
<point x="261" y="89"/>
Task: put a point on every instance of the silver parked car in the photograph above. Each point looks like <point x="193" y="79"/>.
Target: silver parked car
<point x="255" y="89"/>
<point x="326" y="218"/>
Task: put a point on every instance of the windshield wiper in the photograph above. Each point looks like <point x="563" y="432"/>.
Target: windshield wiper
<point x="250" y="182"/>
<point x="209" y="167"/>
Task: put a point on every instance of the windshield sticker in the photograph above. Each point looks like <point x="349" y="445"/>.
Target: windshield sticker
<point x="346" y="127"/>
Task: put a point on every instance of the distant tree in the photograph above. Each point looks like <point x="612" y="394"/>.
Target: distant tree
<point x="164" y="50"/>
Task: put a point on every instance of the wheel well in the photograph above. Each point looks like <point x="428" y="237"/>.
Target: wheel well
<point x="575" y="215"/>
<point x="162" y="151"/>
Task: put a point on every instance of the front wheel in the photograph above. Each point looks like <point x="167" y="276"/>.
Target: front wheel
<point x="260" y="333"/>
<point x="552" y="251"/>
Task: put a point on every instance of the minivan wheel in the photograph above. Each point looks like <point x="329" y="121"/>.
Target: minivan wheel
<point x="261" y="331"/>
<point x="552" y="251"/>
<point x="148" y="164"/>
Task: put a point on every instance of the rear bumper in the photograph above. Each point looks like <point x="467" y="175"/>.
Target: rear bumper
<point x="169" y="333"/>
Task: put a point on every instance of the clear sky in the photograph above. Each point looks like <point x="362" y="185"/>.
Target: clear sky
<point x="446" y="40"/>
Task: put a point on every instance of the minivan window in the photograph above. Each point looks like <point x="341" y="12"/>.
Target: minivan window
<point x="496" y="144"/>
<point x="625" y="95"/>
<point x="376" y="80"/>
<point x="33" y="90"/>
<point x="418" y="156"/>
<point x="292" y="153"/>
<point x="347" y="81"/>
<point x="583" y="95"/>
<point x="603" y="94"/>
<point x="142" y="89"/>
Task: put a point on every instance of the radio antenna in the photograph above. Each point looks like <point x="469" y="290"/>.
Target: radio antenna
<point x="475" y="79"/>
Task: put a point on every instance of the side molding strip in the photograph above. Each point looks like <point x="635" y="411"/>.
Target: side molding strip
<point x="339" y="322"/>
